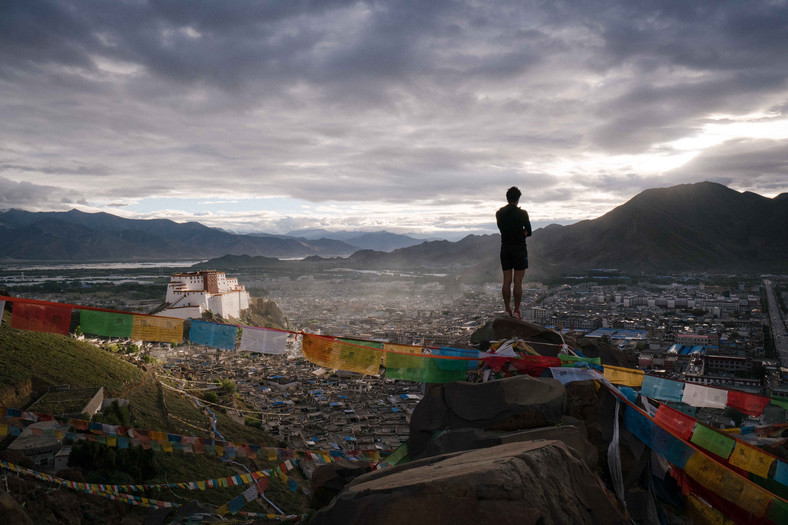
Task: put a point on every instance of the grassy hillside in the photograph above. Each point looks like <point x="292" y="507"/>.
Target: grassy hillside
<point x="55" y="359"/>
<point x="59" y="360"/>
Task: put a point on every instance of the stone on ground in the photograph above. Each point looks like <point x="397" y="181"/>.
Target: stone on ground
<point x="536" y="482"/>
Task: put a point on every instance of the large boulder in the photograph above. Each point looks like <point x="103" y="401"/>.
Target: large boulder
<point x="535" y="482"/>
<point x="510" y="404"/>
<point x="571" y="435"/>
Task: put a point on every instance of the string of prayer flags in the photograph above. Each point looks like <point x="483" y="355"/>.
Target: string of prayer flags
<point x="704" y="396"/>
<point x="749" y="404"/>
<point x="41" y="317"/>
<point x="263" y="340"/>
<point x="624" y="376"/>
<point x="105" y="324"/>
<point x="213" y="335"/>
<point x="662" y="389"/>
<point x="330" y="353"/>
<point x="157" y="329"/>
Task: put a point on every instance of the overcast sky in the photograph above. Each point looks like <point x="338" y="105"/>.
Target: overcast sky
<point x="413" y="117"/>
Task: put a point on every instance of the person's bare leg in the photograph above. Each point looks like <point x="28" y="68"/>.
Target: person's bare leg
<point x="518" y="291"/>
<point x="506" y="290"/>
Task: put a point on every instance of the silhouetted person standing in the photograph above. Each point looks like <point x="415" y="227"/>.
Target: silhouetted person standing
<point x="515" y="226"/>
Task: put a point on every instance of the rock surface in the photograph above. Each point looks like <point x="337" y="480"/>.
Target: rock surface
<point x="536" y="482"/>
<point x="514" y="403"/>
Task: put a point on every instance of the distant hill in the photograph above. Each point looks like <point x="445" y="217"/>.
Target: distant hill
<point x="702" y="227"/>
<point x="381" y="240"/>
<point x="76" y="235"/>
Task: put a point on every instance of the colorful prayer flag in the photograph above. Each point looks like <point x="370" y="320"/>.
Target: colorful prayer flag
<point x="263" y="340"/>
<point x="330" y="353"/>
<point x="715" y="442"/>
<point x="675" y="421"/>
<point x="749" y="404"/>
<point x="105" y="324"/>
<point x="157" y="329"/>
<point x="214" y="335"/>
<point x="704" y="396"/>
<point x="41" y="317"/>
<point x="751" y="459"/>
<point x="662" y="389"/>
<point x="624" y="376"/>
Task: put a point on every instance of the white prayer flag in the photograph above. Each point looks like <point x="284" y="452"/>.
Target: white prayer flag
<point x="250" y="494"/>
<point x="2" y="309"/>
<point x="263" y="340"/>
<point x="703" y="396"/>
<point x="568" y="374"/>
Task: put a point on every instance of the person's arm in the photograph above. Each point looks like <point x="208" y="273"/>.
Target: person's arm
<point x="526" y="224"/>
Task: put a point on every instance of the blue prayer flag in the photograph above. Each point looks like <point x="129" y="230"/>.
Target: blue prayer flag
<point x="213" y="334"/>
<point x="662" y="389"/>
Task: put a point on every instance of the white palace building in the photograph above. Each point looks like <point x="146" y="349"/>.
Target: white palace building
<point x="190" y="294"/>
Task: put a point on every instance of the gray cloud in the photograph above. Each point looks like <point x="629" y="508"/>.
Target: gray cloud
<point x="755" y="165"/>
<point x="379" y="101"/>
<point x="31" y="196"/>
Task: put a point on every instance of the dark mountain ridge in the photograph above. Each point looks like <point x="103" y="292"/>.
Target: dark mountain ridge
<point x="76" y="235"/>
<point x="690" y="227"/>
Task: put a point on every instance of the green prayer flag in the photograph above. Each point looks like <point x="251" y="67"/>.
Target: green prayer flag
<point x="423" y="369"/>
<point x="106" y="324"/>
<point x="713" y="441"/>
<point x="780" y="402"/>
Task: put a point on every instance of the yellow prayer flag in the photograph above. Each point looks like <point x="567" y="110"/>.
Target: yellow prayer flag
<point x="397" y="350"/>
<point x="167" y="447"/>
<point x="112" y="441"/>
<point x="702" y="512"/>
<point x="624" y="376"/>
<point x="729" y="485"/>
<point x="271" y="454"/>
<point x="751" y="459"/>
<point x="3" y="430"/>
<point x="330" y="353"/>
<point x="158" y="329"/>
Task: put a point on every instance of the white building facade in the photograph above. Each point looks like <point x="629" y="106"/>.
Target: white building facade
<point x="191" y="294"/>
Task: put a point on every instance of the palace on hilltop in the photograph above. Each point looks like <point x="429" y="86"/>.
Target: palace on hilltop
<point x="191" y="294"/>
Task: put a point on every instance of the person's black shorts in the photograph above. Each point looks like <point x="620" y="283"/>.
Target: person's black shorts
<point x="514" y="257"/>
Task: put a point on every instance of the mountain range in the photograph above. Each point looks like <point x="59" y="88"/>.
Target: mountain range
<point x="702" y="227"/>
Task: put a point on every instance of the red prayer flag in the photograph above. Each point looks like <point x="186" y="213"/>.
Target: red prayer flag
<point x="41" y="318"/>
<point x="749" y="404"/>
<point x="262" y="485"/>
<point x="677" y="422"/>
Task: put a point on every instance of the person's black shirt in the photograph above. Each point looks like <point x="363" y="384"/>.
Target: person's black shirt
<point x="514" y="225"/>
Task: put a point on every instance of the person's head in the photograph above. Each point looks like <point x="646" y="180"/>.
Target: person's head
<point x="513" y="195"/>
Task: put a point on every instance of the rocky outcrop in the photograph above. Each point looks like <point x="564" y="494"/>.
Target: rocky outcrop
<point x="546" y="342"/>
<point x="535" y="482"/>
<point x="515" y="403"/>
<point x="327" y="480"/>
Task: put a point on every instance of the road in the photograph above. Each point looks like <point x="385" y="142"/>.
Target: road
<point x="779" y="332"/>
